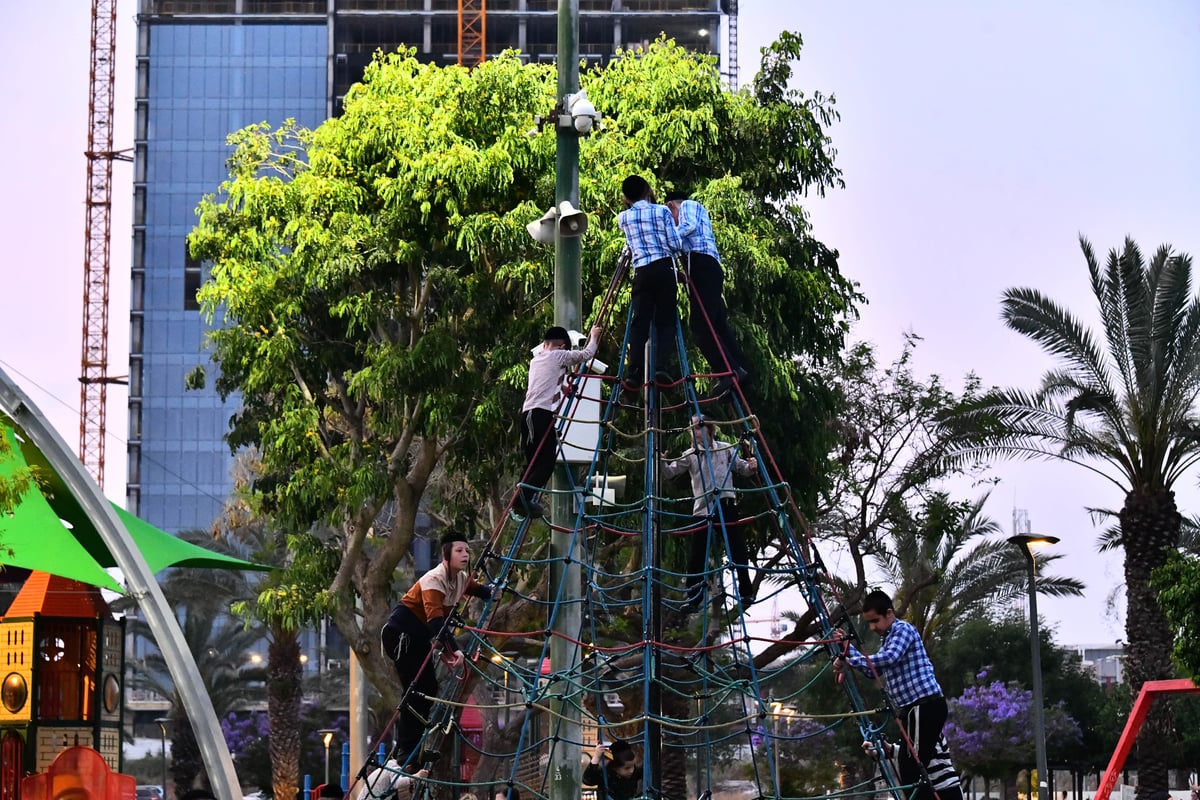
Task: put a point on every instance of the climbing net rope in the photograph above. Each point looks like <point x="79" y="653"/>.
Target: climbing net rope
<point x="653" y="643"/>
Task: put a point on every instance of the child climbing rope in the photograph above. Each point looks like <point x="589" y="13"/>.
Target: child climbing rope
<point x="416" y="629"/>
<point x="545" y="389"/>
<point x="711" y="464"/>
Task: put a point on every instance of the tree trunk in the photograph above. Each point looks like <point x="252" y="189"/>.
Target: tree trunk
<point x="1150" y="524"/>
<point x="283" y="710"/>
<point x="674" y="752"/>
<point x="186" y="763"/>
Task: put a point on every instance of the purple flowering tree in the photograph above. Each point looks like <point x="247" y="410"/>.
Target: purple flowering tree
<point x="248" y="736"/>
<point x="989" y="730"/>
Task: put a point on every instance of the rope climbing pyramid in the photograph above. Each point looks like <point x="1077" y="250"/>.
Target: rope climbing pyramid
<point x="677" y="522"/>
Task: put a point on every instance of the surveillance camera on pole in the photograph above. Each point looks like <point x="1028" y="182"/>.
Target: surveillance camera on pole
<point x="581" y="114"/>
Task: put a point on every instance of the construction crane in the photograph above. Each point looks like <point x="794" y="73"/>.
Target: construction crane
<point x="472" y="32"/>
<point x="94" y="378"/>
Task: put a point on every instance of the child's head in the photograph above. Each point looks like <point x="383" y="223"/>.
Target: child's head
<point x="556" y="338"/>
<point x="704" y="431"/>
<point x="624" y="760"/>
<point x="635" y="188"/>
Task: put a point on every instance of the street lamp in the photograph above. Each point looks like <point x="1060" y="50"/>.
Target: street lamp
<point x="163" y="722"/>
<point x="327" y="738"/>
<point x="1026" y="543"/>
<point x="776" y="708"/>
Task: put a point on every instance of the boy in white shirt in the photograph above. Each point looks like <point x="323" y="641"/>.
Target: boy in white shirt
<point x="547" y="371"/>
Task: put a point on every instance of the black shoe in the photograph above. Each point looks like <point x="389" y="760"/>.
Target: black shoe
<point x="744" y="378"/>
<point x="663" y="379"/>
<point x="533" y="509"/>
<point x="747" y="599"/>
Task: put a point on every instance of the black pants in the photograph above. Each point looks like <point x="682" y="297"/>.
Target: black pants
<point x="653" y="302"/>
<point x="731" y="533"/>
<point x="707" y="320"/>
<point x="923" y="722"/>
<point x="408" y="645"/>
<point x="540" y="441"/>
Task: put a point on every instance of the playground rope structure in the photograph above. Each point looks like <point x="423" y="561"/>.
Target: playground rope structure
<point x="675" y="681"/>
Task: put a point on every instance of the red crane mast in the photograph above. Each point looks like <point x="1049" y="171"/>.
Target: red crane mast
<point x="94" y="378"/>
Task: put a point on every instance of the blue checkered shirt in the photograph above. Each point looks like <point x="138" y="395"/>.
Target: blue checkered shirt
<point x="650" y="232"/>
<point x="695" y="229"/>
<point x="903" y="663"/>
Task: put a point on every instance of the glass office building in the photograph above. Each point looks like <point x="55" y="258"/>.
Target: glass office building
<point x="206" y="68"/>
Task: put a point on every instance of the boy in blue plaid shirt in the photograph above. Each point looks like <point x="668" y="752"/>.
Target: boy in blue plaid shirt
<point x="907" y="675"/>
<point x="653" y="242"/>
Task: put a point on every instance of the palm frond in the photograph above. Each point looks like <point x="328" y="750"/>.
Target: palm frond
<point x="1060" y="334"/>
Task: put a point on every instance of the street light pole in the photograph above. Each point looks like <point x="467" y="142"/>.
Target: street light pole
<point x="1026" y="543"/>
<point x="163" y="722"/>
<point x="566" y="547"/>
<point x="327" y="738"/>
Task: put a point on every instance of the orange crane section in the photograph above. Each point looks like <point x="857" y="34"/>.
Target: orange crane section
<point x="94" y="378"/>
<point x="472" y="32"/>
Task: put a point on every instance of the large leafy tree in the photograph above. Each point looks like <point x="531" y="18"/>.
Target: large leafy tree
<point x="374" y="291"/>
<point x="888" y="505"/>
<point x="1124" y="407"/>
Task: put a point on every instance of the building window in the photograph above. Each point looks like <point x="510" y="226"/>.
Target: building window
<point x="191" y="281"/>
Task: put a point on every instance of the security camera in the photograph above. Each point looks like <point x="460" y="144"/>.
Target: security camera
<point x="584" y="116"/>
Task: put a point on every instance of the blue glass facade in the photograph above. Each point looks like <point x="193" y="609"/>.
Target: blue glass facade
<point x="200" y="82"/>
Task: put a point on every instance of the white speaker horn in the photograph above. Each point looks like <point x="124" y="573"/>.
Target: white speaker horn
<point x="571" y="221"/>
<point x="542" y="230"/>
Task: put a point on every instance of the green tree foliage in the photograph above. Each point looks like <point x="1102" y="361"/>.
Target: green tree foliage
<point x="937" y="556"/>
<point x="1124" y="407"/>
<point x="15" y="480"/>
<point x="1178" y="585"/>
<point x="292" y="597"/>
<point x="945" y="571"/>
<point x="374" y="292"/>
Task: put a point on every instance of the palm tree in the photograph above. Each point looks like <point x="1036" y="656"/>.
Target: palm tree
<point x="222" y="645"/>
<point x="945" y="570"/>
<point x="1123" y="408"/>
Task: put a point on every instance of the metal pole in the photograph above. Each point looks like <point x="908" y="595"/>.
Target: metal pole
<point x="566" y="550"/>
<point x="1026" y="542"/>
<point x="162" y="727"/>
<point x="141" y="584"/>
<point x="1039" y="721"/>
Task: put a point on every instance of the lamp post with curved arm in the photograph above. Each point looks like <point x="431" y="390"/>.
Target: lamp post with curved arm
<point x="163" y="722"/>
<point x="1026" y="543"/>
<point x="327" y="739"/>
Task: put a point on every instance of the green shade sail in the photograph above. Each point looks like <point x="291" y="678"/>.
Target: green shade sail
<point x="49" y="531"/>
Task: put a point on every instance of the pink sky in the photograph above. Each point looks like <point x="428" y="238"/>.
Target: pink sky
<point x="977" y="142"/>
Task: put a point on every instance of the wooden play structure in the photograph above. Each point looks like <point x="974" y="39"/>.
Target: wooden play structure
<point x="61" y="662"/>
